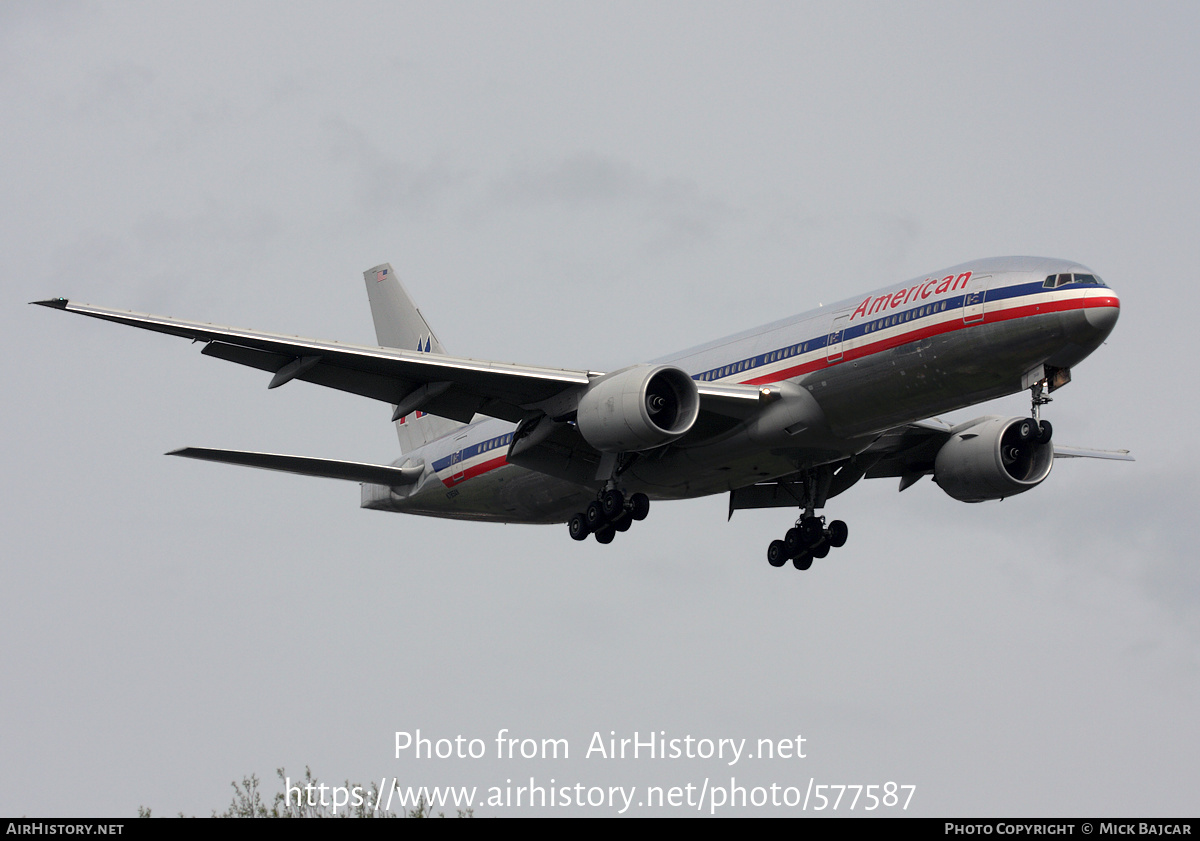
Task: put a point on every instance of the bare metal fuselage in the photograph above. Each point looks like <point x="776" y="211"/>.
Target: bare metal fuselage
<point x="849" y="371"/>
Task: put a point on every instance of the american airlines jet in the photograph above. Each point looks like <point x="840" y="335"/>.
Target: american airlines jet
<point x="787" y="415"/>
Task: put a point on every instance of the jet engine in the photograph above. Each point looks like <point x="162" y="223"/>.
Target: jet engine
<point x="993" y="457"/>
<point x="639" y="408"/>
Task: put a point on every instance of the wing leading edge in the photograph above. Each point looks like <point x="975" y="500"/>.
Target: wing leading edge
<point x="448" y="386"/>
<point x="454" y="387"/>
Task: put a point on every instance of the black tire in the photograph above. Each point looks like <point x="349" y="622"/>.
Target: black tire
<point x="838" y="532"/>
<point x="1045" y="432"/>
<point x="803" y="560"/>
<point x="794" y="541"/>
<point x="1027" y="430"/>
<point x="605" y="534"/>
<point x="623" y="522"/>
<point x="594" y="515"/>
<point x="777" y="554"/>
<point x="612" y="503"/>
<point x="812" y="530"/>
<point x="578" y="527"/>
<point x="821" y="550"/>
<point x="640" y="506"/>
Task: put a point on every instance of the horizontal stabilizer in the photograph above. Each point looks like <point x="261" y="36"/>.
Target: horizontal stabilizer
<point x="353" y="471"/>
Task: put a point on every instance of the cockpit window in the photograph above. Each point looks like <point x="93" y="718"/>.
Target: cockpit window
<point x="1055" y="281"/>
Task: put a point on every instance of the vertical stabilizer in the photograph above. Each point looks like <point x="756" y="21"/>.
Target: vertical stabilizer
<point x="399" y="324"/>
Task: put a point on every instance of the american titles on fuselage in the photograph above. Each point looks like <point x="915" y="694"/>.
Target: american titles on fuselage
<point x="918" y="290"/>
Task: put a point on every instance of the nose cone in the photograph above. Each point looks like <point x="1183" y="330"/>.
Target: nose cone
<point x="1101" y="308"/>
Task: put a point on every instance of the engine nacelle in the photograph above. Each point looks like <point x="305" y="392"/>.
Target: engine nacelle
<point x="637" y="409"/>
<point x="991" y="458"/>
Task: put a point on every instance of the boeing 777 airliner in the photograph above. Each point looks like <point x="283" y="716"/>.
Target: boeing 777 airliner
<point x="786" y="415"/>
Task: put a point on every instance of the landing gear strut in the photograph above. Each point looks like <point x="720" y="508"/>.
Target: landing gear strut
<point x="1039" y="398"/>
<point x="609" y="513"/>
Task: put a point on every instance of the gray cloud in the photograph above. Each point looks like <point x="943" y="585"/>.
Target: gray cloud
<point x="672" y="213"/>
<point x="385" y="183"/>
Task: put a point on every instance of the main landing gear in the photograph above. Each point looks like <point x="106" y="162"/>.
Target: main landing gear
<point x="810" y="538"/>
<point x="608" y="514"/>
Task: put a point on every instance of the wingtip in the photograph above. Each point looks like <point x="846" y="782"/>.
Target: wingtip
<point x="56" y="303"/>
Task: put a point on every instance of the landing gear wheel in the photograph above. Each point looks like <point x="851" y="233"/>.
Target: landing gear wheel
<point x="579" y="528"/>
<point x="623" y="522"/>
<point x="838" y="532"/>
<point x="777" y="554"/>
<point x="594" y="515"/>
<point x="612" y="503"/>
<point x="1045" y="431"/>
<point x="794" y="540"/>
<point x="639" y="506"/>
<point x="803" y="560"/>
<point x="605" y="534"/>
<point x="1027" y="430"/>
<point x="821" y="550"/>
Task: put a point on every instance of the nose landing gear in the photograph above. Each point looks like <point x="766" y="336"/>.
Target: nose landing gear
<point x="1039" y="430"/>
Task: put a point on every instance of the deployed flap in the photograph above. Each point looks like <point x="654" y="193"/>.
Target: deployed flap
<point x="353" y="471"/>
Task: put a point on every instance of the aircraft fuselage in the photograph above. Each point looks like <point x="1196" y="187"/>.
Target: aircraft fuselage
<point x="849" y="372"/>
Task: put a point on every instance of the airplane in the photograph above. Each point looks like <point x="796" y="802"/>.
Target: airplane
<point x="788" y="415"/>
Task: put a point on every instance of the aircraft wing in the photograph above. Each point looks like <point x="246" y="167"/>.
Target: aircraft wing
<point x="452" y="387"/>
<point x="909" y="451"/>
<point x="906" y="452"/>
<point x="1081" y="452"/>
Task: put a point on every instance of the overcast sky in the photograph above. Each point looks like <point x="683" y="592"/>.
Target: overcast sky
<point x="582" y="185"/>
